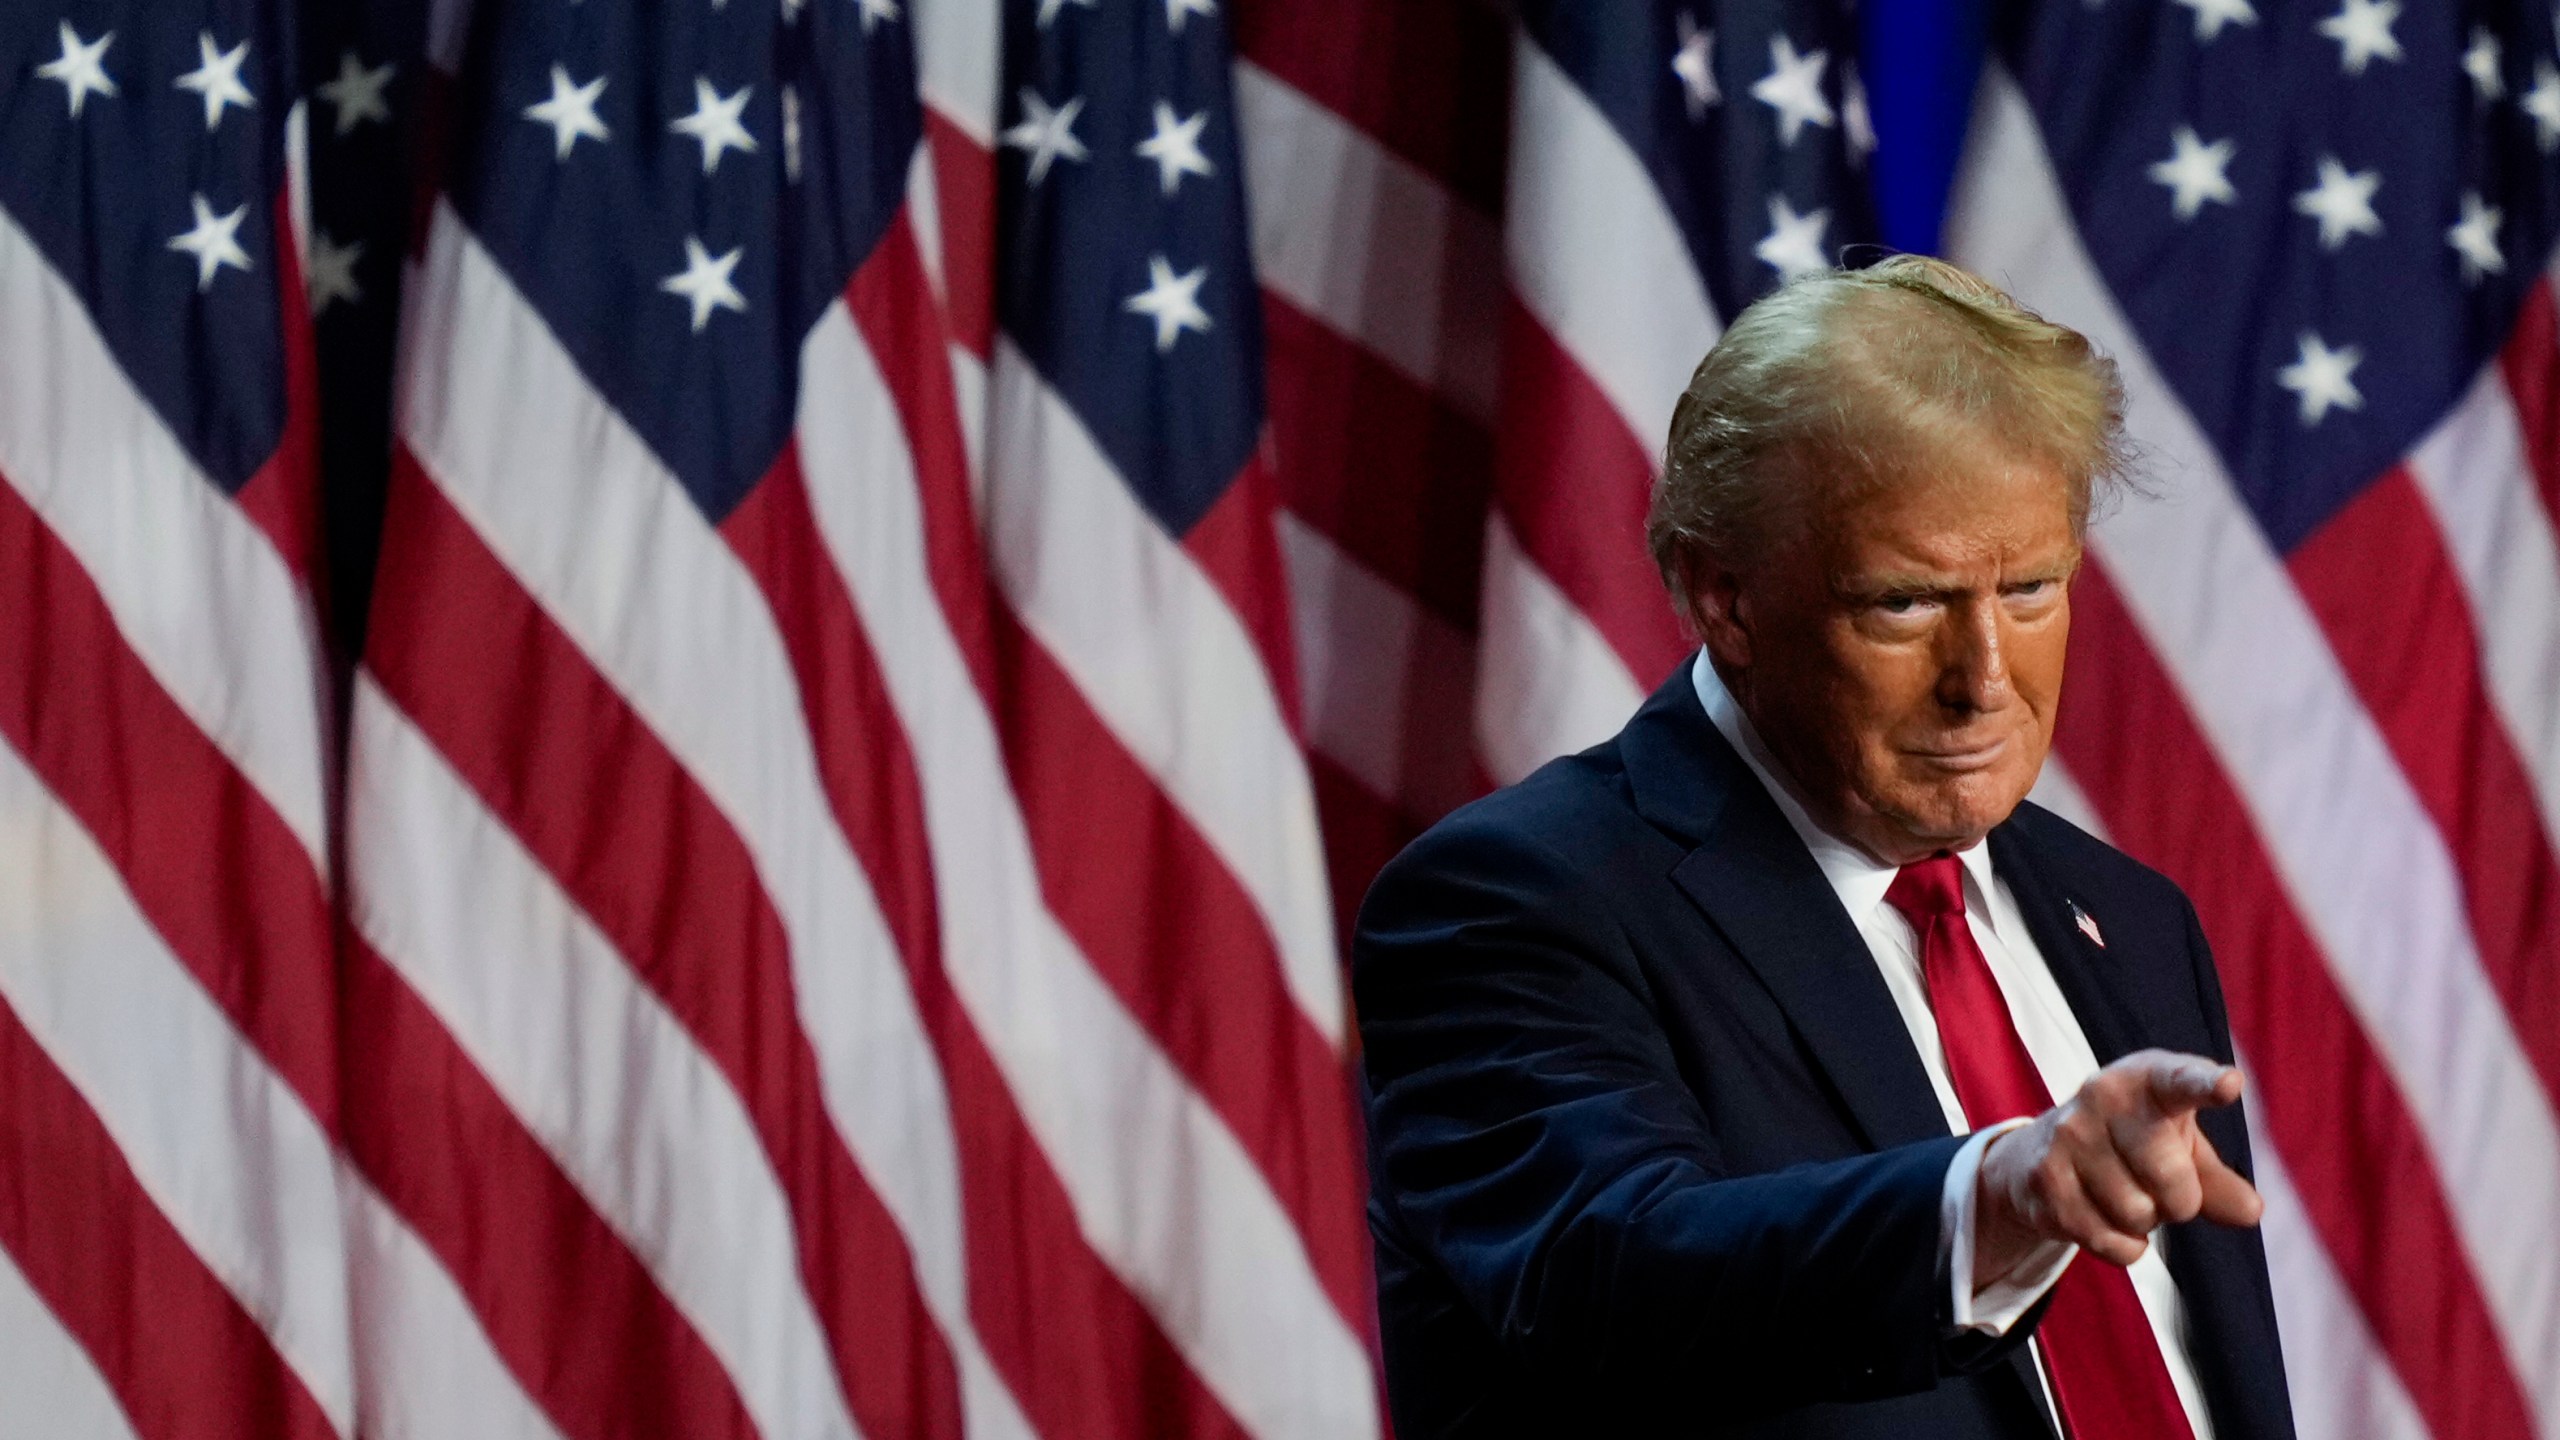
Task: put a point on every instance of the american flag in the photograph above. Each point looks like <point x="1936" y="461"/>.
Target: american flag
<point x="2318" y="681"/>
<point x="170" y="1127"/>
<point x="926" y="551"/>
<point x="836" y="909"/>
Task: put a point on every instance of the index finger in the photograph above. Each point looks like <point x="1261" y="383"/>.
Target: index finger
<point x="2180" y="1083"/>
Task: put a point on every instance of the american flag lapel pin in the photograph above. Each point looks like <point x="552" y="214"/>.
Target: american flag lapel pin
<point x="2087" y="926"/>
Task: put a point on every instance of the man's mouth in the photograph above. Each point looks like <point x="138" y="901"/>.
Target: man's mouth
<point x="1962" y="759"/>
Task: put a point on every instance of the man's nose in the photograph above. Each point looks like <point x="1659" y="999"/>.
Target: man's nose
<point x="1973" y="669"/>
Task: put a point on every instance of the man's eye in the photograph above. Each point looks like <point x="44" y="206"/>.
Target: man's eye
<point x="1898" y="604"/>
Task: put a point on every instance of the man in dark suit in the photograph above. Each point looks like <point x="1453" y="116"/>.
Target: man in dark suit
<point x="1775" y="1069"/>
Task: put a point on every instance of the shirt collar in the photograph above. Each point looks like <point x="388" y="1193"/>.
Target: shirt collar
<point x="1858" y="878"/>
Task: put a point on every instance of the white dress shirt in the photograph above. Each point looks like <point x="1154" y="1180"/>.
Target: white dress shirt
<point x="2045" y="1023"/>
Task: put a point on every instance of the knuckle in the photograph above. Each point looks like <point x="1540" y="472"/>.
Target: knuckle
<point x="2052" y="1173"/>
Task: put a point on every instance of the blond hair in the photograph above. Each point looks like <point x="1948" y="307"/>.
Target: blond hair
<point x="1844" y="379"/>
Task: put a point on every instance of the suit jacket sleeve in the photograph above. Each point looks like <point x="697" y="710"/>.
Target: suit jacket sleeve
<point x="1536" y="1141"/>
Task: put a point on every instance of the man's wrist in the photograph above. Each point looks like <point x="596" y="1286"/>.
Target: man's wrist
<point x="1998" y="1301"/>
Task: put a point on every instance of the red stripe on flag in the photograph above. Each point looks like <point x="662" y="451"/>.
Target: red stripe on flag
<point x="1237" y="546"/>
<point x="1362" y="832"/>
<point x="568" y="1307"/>
<point x="556" y="752"/>
<point x="2386" y="592"/>
<point x="1428" y="79"/>
<point x="1113" y="1372"/>
<point x="894" y="312"/>
<point x="1575" y="484"/>
<point x="1164" y="922"/>
<point x="2345" y="1131"/>
<point x="208" y="860"/>
<point x="182" y="1357"/>
<point x="964" y="200"/>
<point x="283" y="497"/>
<point x="1377" y="464"/>
<point x="2531" y="363"/>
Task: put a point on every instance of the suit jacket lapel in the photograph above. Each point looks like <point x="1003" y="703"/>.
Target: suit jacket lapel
<point x="1758" y="884"/>
<point x="2108" y="1012"/>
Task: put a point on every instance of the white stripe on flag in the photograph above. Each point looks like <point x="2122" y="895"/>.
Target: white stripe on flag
<point x="960" y="63"/>
<point x="590" y="1060"/>
<point x="595" y="528"/>
<point x="1594" y="253"/>
<point x="1547" y="683"/>
<point x="428" y="1370"/>
<point x="201" y="595"/>
<point x="53" y="1390"/>
<point x="1364" y="241"/>
<point x="215" y="1137"/>
<point x="1386" y="683"/>
<point x="2342" y="1383"/>
<point x="1162" y="1190"/>
<point x="1155" y="649"/>
<point x="2479" y="483"/>
<point x="2369" y="874"/>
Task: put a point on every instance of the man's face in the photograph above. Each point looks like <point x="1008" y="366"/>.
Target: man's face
<point x="1903" y="655"/>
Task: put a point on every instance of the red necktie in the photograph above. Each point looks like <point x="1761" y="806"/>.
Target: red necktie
<point x="2108" y="1378"/>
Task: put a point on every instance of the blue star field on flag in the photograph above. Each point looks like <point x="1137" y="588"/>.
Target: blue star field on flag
<point x="146" y="150"/>
<point x="2318" y="261"/>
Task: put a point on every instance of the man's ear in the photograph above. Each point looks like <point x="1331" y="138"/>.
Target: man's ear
<point x="1716" y="609"/>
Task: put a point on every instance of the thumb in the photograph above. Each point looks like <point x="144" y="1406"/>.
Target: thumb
<point x="2227" y="1198"/>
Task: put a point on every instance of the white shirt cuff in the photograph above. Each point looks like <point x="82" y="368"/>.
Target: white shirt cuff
<point x="1995" y="1307"/>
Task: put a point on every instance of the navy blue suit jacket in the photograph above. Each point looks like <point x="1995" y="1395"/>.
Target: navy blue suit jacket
<point x="1652" y="1151"/>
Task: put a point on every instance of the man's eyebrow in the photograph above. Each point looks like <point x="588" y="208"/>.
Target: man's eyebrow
<point x="1894" y="582"/>
<point x="1915" y="582"/>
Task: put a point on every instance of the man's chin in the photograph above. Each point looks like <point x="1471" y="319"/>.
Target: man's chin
<point x="1940" y="821"/>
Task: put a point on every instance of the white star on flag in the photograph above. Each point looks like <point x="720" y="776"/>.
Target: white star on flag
<point x="1793" y="88"/>
<point x="1175" y="147"/>
<point x="715" y="123"/>
<point x="1172" y="301"/>
<point x="877" y="12"/>
<point x="331" y="271"/>
<point x="1855" y="123"/>
<point x="2324" y="379"/>
<point x="1793" y="245"/>
<point x="1695" y="64"/>
<point x="2475" y="238"/>
<point x="2196" y="172"/>
<point x="2542" y="102"/>
<point x="2362" y="29"/>
<point x="1049" y="9"/>
<point x="81" y="68"/>
<point x="2342" y="202"/>
<point x="217" y="78"/>
<point x="2480" y="62"/>
<point x="357" y="92"/>
<point x="1177" y="11"/>
<point x="215" y="242"/>
<point x="705" y="282"/>
<point x="2212" y="15"/>
<point x="1045" y="134"/>
<point x="570" y="112"/>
